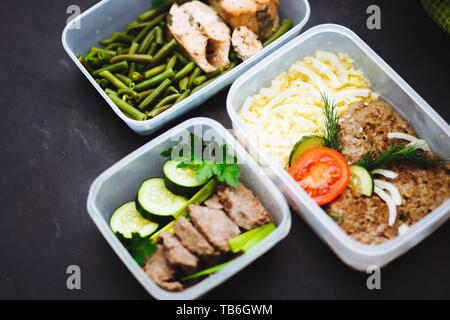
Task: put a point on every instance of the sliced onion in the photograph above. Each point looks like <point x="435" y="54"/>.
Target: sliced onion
<point x="418" y="143"/>
<point x="384" y="172"/>
<point x="390" y="203"/>
<point x="391" y="188"/>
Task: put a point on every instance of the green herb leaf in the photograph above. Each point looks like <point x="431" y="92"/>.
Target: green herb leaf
<point x="230" y="174"/>
<point x="370" y="161"/>
<point x="140" y="248"/>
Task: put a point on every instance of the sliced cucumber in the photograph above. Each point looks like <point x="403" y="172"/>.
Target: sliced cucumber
<point x="303" y="145"/>
<point x="126" y="220"/>
<point x="156" y="203"/>
<point x="181" y="181"/>
<point x="361" y="180"/>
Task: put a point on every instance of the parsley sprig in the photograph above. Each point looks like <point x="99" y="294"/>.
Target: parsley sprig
<point x="371" y="161"/>
<point x="218" y="164"/>
<point x="139" y="247"/>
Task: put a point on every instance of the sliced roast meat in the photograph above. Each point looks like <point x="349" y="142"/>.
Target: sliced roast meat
<point x="159" y="269"/>
<point x="260" y="16"/>
<point x="192" y="239"/>
<point x="213" y="202"/>
<point x="243" y="207"/>
<point x="176" y="253"/>
<point x="215" y="225"/>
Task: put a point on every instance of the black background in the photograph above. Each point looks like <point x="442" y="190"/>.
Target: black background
<point x="58" y="135"/>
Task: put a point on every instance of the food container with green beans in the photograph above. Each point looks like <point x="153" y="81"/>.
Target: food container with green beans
<point x="122" y="48"/>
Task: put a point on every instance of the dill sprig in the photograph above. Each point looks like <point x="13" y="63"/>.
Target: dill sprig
<point x="412" y="153"/>
<point x="333" y="138"/>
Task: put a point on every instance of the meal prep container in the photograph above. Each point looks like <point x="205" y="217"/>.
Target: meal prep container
<point x="120" y="183"/>
<point x="108" y="16"/>
<point x="393" y="89"/>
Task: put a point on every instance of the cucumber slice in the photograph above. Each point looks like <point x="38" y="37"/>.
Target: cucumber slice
<point x="126" y="220"/>
<point x="181" y="181"/>
<point x="303" y="145"/>
<point x="361" y="180"/>
<point x="156" y="203"/>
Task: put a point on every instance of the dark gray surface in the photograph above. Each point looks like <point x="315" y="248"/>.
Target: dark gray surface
<point x="58" y="134"/>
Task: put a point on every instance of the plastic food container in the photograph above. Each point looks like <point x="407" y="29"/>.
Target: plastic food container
<point x="427" y="123"/>
<point x="108" y="16"/>
<point x="120" y="183"/>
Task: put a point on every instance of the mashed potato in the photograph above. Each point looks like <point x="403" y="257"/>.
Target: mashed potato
<point x="292" y="106"/>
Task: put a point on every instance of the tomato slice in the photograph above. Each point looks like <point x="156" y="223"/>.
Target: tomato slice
<point x="322" y="172"/>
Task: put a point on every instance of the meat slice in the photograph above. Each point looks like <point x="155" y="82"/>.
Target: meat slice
<point x="176" y="253"/>
<point x="365" y="127"/>
<point x="243" y="207"/>
<point x="215" y="225"/>
<point x="260" y="16"/>
<point x="245" y="43"/>
<point x="202" y="34"/>
<point x="363" y="218"/>
<point x="159" y="269"/>
<point x="192" y="239"/>
<point x="213" y="202"/>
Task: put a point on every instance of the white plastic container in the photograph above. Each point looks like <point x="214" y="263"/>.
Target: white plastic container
<point x="427" y="123"/>
<point x="108" y="16"/>
<point x="120" y="183"/>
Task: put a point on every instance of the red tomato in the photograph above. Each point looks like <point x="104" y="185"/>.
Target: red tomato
<point x="322" y="172"/>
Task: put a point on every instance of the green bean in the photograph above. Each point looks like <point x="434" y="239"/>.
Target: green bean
<point x="144" y="94"/>
<point x="199" y="80"/>
<point x="171" y="62"/>
<point x="126" y="51"/>
<point x="185" y="71"/>
<point x="133" y="48"/>
<point x="155" y="111"/>
<point x="125" y="107"/>
<point x="159" y="35"/>
<point x="104" y="58"/>
<point x="152" y="49"/>
<point x="164" y="51"/>
<point x="94" y="62"/>
<point x="109" y="91"/>
<point x="152" y="96"/>
<point x="97" y="50"/>
<point x="137" y="77"/>
<point x="113" y="45"/>
<point x="117" y="37"/>
<point x="155" y="80"/>
<point x="154" y="71"/>
<point x="285" y="26"/>
<point x="104" y="83"/>
<point x="83" y="62"/>
<point x="182" y="59"/>
<point x="170" y="90"/>
<point x="131" y="94"/>
<point x="183" y="84"/>
<point x="204" y="84"/>
<point x="147" y="15"/>
<point x="149" y="24"/>
<point x="124" y="79"/>
<point x="194" y="75"/>
<point x="133" y="57"/>
<point x="183" y="96"/>
<point x="146" y="42"/>
<point x="119" y="50"/>
<point x="114" y="67"/>
<point x="114" y="81"/>
<point x="215" y="73"/>
<point x="167" y="100"/>
<point x="141" y="35"/>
